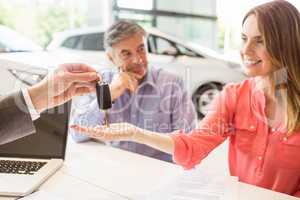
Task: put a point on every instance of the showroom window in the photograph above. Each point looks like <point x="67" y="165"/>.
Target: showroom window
<point x="191" y="20"/>
<point x="137" y="4"/>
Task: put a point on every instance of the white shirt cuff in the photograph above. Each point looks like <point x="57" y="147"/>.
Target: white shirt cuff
<point x="33" y="113"/>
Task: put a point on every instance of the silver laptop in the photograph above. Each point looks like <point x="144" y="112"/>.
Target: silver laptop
<point x="27" y="162"/>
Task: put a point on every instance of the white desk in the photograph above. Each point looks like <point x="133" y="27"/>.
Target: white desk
<point x="94" y="171"/>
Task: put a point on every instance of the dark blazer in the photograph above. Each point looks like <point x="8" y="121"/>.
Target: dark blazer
<point x="15" y="119"/>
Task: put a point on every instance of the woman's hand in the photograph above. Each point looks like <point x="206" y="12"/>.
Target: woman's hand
<point x="128" y="132"/>
<point x="116" y="132"/>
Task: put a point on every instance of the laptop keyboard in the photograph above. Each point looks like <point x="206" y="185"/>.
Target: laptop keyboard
<point x="20" y="167"/>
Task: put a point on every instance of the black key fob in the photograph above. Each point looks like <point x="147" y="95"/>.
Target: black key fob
<point x="103" y="96"/>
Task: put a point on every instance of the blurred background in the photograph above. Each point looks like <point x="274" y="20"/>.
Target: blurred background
<point x="218" y="20"/>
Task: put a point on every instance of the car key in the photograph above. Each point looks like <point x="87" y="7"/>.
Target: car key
<point x="104" y="99"/>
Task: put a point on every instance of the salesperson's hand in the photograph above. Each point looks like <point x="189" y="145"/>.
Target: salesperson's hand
<point x="67" y="81"/>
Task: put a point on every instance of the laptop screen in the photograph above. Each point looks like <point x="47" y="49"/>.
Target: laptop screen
<point x="49" y="140"/>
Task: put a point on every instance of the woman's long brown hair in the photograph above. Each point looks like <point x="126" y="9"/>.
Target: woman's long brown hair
<point x="279" y="23"/>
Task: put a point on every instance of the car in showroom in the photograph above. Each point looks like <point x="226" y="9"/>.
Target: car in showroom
<point x="203" y="71"/>
<point x="23" y="62"/>
<point x="12" y="41"/>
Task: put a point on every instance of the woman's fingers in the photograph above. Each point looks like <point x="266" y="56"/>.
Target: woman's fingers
<point x="98" y="132"/>
<point x="92" y="132"/>
<point x="117" y="131"/>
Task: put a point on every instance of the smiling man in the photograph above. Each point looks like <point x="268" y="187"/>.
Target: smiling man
<point x="147" y="97"/>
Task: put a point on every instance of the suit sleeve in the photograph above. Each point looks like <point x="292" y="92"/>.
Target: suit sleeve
<point x="15" y="119"/>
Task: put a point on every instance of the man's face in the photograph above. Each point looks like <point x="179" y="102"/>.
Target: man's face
<point x="130" y="55"/>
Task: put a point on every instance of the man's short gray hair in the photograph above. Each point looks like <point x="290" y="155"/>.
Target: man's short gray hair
<point x="121" y="30"/>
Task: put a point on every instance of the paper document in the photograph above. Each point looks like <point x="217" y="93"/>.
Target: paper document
<point x="40" y="194"/>
<point x="197" y="185"/>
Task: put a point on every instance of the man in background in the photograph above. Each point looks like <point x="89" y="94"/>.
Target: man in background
<point x="147" y="97"/>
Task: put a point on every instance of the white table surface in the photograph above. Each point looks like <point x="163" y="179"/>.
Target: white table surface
<point x="95" y="171"/>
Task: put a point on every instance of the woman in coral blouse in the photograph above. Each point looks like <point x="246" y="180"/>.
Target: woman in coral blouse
<point x="260" y="116"/>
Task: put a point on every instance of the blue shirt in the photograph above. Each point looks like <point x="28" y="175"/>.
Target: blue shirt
<point x="160" y="104"/>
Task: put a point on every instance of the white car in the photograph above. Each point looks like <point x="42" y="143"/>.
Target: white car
<point x="204" y="71"/>
<point x="23" y="62"/>
<point x="12" y="41"/>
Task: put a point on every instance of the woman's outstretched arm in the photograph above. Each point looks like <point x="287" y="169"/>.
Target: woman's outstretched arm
<point x="129" y="132"/>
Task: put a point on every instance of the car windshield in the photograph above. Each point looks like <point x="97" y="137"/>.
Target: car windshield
<point x="15" y="42"/>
